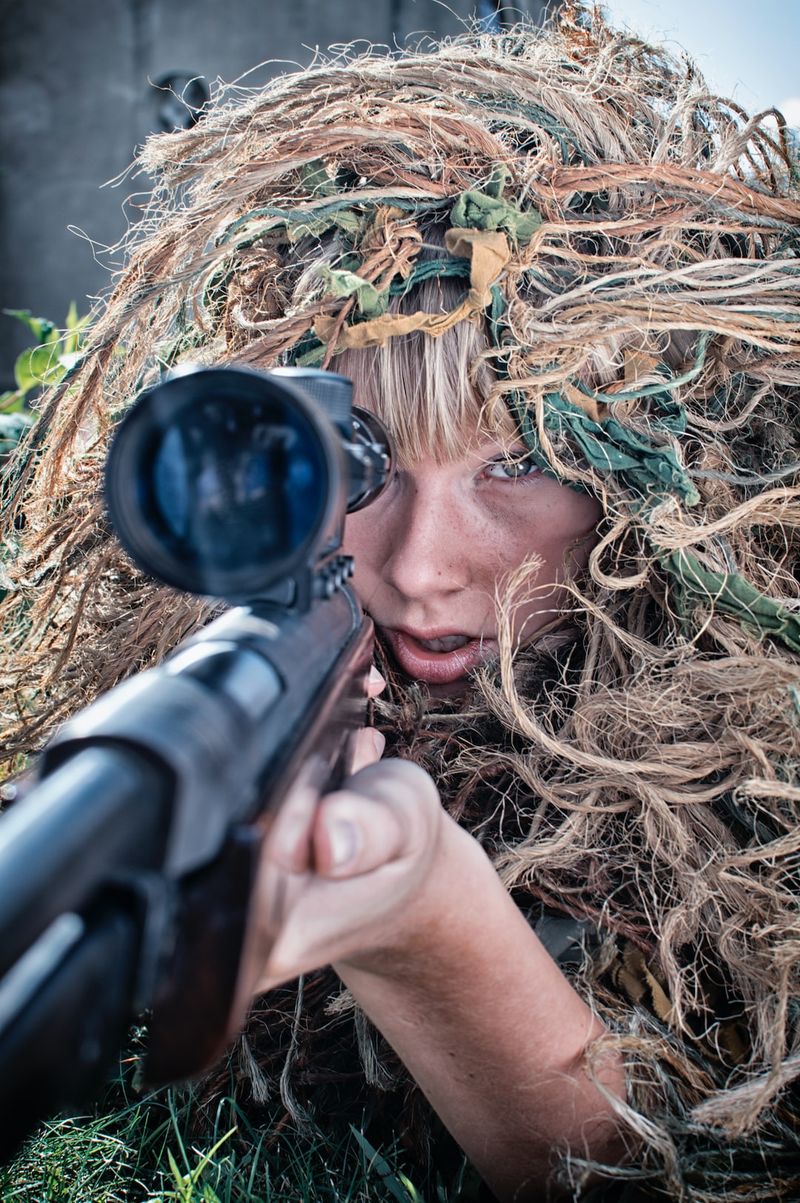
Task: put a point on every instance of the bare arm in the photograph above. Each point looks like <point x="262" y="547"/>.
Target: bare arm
<point x="410" y="911"/>
<point x="490" y="1028"/>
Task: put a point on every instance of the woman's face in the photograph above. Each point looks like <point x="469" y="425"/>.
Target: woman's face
<point x="431" y="551"/>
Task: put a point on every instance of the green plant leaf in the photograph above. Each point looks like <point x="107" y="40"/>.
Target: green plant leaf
<point x="206" y="1158"/>
<point x="12" y="428"/>
<point x="11" y="401"/>
<point x="396" y="1183"/>
<point x="38" y="365"/>
<point x="75" y="327"/>
<point x="22" y="372"/>
<point x="40" y="327"/>
<point x="180" y="1179"/>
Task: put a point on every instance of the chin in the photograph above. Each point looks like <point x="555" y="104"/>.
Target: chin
<point x="453" y="689"/>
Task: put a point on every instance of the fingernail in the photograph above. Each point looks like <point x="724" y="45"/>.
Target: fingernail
<point x="379" y="743"/>
<point x="345" y="840"/>
<point x="375" y="678"/>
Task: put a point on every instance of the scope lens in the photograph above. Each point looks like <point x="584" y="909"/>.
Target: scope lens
<point x="218" y="481"/>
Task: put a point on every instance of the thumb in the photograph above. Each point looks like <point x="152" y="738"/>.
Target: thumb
<point x="385" y="811"/>
<point x="354" y="834"/>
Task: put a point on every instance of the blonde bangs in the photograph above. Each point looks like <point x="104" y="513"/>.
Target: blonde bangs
<point x="432" y="394"/>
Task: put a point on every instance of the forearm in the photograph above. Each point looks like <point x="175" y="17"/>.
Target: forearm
<point x="490" y="1029"/>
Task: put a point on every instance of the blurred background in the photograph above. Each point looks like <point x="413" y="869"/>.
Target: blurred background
<point x="83" y="84"/>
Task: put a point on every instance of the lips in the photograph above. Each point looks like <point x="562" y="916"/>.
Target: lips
<point x="447" y="643"/>
<point x="437" y="658"/>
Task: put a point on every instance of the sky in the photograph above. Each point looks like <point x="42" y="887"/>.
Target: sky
<point x="748" y="50"/>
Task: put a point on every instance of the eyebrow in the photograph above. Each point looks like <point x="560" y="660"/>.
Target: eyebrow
<point x="507" y="449"/>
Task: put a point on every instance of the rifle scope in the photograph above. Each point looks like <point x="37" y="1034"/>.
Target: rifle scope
<point x="226" y="481"/>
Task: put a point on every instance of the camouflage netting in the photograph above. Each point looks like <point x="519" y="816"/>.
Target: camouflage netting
<point x="628" y="245"/>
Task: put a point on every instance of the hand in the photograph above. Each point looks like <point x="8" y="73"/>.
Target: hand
<point x="342" y="876"/>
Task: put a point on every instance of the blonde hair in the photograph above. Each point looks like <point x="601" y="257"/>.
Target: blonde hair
<point x="433" y="394"/>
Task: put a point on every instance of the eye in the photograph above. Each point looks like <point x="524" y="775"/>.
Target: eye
<point x="510" y="469"/>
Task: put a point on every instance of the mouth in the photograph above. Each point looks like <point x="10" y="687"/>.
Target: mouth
<point x="438" y="658"/>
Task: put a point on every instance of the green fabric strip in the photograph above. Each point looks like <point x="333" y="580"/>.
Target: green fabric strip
<point x="729" y="593"/>
<point x="648" y="470"/>
<point x="297" y="223"/>
<point x="653" y="390"/>
<point x="458" y="268"/>
<point x="344" y="214"/>
<point x="369" y="301"/>
<point x="476" y="210"/>
<point x="308" y="352"/>
<point x="485" y="209"/>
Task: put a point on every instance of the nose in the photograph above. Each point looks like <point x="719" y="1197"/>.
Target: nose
<point x="425" y="541"/>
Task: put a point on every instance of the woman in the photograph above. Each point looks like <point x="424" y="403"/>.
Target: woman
<point x="400" y="898"/>
<point x="566" y="277"/>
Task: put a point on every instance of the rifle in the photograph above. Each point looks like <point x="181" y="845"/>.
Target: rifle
<point x="129" y="873"/>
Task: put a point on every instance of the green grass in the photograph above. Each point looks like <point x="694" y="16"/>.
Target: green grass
<point x="141" y="1151"/>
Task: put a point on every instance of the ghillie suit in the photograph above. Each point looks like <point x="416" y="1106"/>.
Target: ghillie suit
<point x="626" y="247"/>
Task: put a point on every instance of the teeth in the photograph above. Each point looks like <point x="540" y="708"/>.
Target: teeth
<point x="448" y="643"/>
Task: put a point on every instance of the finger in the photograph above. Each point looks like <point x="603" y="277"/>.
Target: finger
<point x="288" y="840"/>
<point x="367" y="747"/>
<point x="395" y="781"/>
<point x="376" y="683"/>
<point x="383" y="811"/>
<point x="353" y="835"/>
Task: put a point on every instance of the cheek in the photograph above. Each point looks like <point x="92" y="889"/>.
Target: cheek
<point x="356" y="541"/>
<point x="550" y="522"/>
<point x="561" y="536"/>
<point x="367" y="540"/>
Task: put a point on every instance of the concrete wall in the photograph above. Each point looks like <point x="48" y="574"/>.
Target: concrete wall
<point x="75" y="101"/>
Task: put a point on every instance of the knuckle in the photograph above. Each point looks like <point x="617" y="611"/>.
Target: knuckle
<point x="398" y="777"/>
<point x="399" y="783"/>
<point x="343" y="803"/>
<point x="414" y="779"/>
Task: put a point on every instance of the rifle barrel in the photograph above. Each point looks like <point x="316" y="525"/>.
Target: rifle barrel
<point x="104" y="813"/>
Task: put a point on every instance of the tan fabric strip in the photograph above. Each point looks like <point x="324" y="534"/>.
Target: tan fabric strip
<point x="488" y="252"/>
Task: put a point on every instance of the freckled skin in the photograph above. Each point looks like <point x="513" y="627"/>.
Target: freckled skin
<point x="430" y="551"/>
